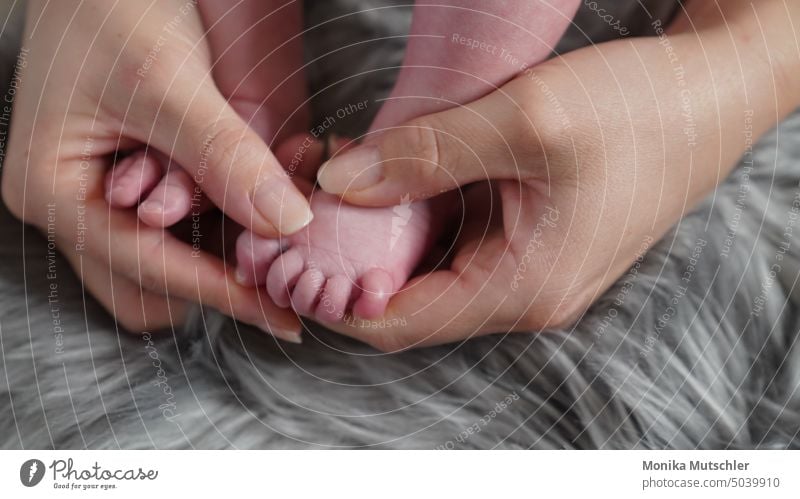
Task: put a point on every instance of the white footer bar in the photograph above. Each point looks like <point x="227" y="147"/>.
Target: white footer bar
<point x="401" y="474"/>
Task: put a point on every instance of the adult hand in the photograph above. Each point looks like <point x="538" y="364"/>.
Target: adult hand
<point x="257" y="65"/>
<point x="106" y="76"/>
<point x="590" y="159"/>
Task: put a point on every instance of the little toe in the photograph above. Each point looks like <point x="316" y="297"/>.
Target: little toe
<point x="170" y="201"/>
<point x="307" y="291"/>
<point x="131" y="178"/>
<point x="254" y="255"/>
<point x="377" y="286"/>
<point x="283" y="275"/>
<point x="334" y="298"/>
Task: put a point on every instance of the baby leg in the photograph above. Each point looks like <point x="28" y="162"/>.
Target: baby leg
<point x="461" y="50"/>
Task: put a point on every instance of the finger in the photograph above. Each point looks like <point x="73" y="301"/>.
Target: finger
<point x="131" y="178"/>
<point x="136" y="310"/>
<point x="488" y="139"/>
<point x="161" y="263"/>
<point x="171" y="199"/>
<point x="229" y="162"/>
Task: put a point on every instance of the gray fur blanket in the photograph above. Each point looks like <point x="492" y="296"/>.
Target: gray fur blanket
<point x="719" y="369"/>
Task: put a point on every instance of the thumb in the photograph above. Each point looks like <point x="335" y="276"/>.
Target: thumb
<point x="435" y="153"/>
<point x="229" y="162"/>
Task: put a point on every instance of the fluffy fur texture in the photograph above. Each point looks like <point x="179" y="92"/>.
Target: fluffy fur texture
<point x="715" y="376"/>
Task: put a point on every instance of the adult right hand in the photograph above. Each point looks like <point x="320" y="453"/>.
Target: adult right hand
<point x="98" y="77"/>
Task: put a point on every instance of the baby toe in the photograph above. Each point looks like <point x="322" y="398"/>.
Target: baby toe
<point x="170" y="201"/>
<point x="254" y="255"/>
<point x="377" y="287"/>
<point x="307" y="291"/>
<point x="334" y="299"/>
<point x="131" y="178"/>
<point x="283" y="275"/>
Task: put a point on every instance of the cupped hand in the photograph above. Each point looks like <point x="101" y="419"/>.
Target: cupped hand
<point x="571" y="170"/>
<point x="100" y="77"/>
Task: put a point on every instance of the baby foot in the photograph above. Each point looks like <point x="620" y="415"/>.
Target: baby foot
<point x="348" y="259"/>
<point x="167" y="191"/>
<point x="165" y="194"/>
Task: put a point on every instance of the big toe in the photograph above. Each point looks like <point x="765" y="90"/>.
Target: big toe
<point x="377" y="287"/>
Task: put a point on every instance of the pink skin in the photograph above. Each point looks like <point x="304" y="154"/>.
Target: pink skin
<point x="133" y="177"/>
<point x="342" y="261"/>
<point x="167" y="190"/>
<point x="350" y="258"/>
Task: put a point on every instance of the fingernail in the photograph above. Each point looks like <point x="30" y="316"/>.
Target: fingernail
<point x="284" y="334"/>
<point x="354" y="170"/>
<point x="284" y="207"/>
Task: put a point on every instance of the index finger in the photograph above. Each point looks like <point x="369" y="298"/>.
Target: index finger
<point x="159" y="262"/>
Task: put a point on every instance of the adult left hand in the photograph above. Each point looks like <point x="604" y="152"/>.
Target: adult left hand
<point x="572" y="169"/>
